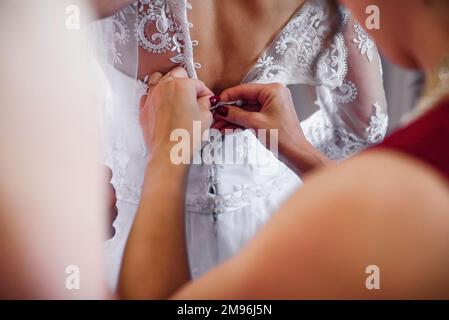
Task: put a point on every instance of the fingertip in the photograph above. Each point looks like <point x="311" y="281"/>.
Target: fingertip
<point x="227" y="94"/>
<point x="245" y="91"/>
<point x="154" y="78"/>
<point x="107" y="172"/>
<point x="202" y="90"/>
<point x="179" y="72"/>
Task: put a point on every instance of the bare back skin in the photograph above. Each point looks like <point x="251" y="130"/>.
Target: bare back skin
<point x="232" y="35"/>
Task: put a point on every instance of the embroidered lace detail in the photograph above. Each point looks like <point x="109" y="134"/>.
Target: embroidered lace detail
<point x="161" y="27"/>
<point x="346" y="93"/>
<point x="346" y="15"/>
<point x="122" y="32"/>
<point x="378" y="125"/>
<point x="364" y="42"/>
<point x="336" y="141"/>
<point x="243" y="195"/>
<point x="293" y="55"/>
<point x="119" y="159"/>
<point x="123" y="29"/>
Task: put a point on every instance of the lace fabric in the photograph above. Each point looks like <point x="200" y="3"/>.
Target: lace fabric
<point x="159" y="27"/>
<point x="226" y="204"/>
<point x="352" y="113"/>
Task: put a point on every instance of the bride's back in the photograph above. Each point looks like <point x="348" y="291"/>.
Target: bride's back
<point x="231" y="36"/>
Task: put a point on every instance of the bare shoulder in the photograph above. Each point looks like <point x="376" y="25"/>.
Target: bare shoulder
<point x="373" y="184"/>
<point x="386" y="177"/>
<point x="380" y="208"/>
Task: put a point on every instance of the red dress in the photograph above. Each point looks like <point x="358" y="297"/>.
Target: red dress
<point x="426" y="139"/>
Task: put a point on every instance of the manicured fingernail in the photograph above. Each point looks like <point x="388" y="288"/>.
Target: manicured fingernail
<point x="214" y="100"/>
<point x="223" y="111"/>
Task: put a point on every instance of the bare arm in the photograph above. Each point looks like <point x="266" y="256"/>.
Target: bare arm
<point x="155" y="263"/>
<point x="322" y="240"/>
<point x="51" y="213"/>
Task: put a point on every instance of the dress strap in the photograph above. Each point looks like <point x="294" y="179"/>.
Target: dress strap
<point x="426" y="139"/>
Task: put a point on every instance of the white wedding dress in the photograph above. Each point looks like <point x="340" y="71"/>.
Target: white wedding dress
<point x="227" y="204"/>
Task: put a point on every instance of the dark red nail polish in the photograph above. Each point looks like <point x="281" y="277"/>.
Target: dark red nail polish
<point x="214" y="101"/>
<point x="223" y="111"/>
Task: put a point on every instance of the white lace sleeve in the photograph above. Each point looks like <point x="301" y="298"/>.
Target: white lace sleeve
<point x="353" y="114"/>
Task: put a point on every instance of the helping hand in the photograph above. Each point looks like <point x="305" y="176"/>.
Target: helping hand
<point x="173" y="102"/>
<point x="271" y="107"/>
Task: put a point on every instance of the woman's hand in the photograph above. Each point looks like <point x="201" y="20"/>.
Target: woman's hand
<point x="155" y="263"/>
<point x="174" y="102"/>
<point x="271" y="107"/>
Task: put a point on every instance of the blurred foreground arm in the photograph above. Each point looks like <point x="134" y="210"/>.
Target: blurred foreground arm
<point x="51" y="221"/>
